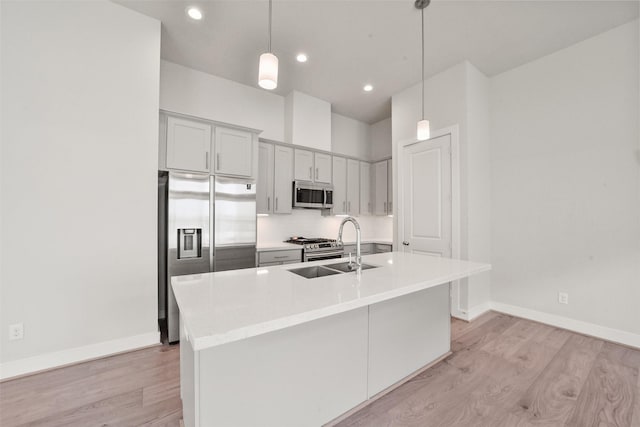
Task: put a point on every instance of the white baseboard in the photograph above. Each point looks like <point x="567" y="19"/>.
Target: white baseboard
<point x="75" y="355"/>
<point x="473" y="312"/>
<point x="591" y="329"/>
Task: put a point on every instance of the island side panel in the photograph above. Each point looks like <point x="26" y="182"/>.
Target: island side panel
<point x="305" y="375"/>
<point x="407" y="333"/>
<point x="188" y="380"/>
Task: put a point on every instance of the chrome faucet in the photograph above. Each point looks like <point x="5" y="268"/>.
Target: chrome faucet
<point x="357" y="226"/>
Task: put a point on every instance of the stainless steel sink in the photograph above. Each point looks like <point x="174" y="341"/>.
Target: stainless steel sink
<point x="327" y="270"/>
<point x="346" y="268"/>
<point x="313" y="272"/>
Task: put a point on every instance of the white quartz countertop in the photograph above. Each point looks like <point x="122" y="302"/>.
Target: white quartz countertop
<point x="222" y="307"/>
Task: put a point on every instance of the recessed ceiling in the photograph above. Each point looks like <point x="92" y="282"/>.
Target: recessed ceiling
<point x="353" y="43"/>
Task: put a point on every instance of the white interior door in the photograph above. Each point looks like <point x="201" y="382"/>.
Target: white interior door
<point x="427" y="197"/>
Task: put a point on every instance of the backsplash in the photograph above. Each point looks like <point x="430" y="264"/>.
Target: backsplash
<point x="311" y="223"/>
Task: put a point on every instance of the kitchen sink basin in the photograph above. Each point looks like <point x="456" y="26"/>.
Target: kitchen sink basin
<point x="313" y="272"/>
<point x="327" y="270"/>
<point x="346" y="268"/>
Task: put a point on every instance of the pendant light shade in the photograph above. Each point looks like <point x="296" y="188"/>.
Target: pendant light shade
<point x="268" y="71"/>
<point x="268" y="68"/>
<point x="423" y="130"/>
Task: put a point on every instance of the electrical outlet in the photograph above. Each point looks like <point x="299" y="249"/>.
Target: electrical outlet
<point x="563" y="298"/>
<point x="16" y="331"/>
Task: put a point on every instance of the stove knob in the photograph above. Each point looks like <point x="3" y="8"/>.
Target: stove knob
<point x="315" y="246"/>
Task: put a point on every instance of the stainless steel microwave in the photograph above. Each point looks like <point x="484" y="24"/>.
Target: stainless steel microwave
<point x="309" y="195"/>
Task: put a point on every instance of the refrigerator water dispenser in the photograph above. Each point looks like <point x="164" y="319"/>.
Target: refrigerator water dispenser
<point x="189" y="243"/>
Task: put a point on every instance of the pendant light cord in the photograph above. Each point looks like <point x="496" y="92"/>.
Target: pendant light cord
<point x="270" y="26"/>
<point x="422" y="19"/>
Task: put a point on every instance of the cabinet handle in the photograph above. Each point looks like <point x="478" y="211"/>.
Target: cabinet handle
<point x="385" y="207"/>
<point x="390" y="209"/>
<point x="349" y="206"/>
<point x="281" y="257"/>
<point x="268" y="203"/>
<point x="276" y="203"/>
<point x="316" y="173"/>
<point x="217" y="160"/>
<point x="344" y="206"/>
<point x="369" y="207"/>
<point x="310" y="176"/>
<point x="206" y="160"/>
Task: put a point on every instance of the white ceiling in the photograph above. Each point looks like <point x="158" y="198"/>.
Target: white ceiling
<point x="354" y="42"/>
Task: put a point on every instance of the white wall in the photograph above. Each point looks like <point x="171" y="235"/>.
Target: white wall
<point x="566" y="182"/>
<point x="350" y="137"/>
<point x="187" y="91"/>
<point x="381" y="139"/>
<point x="310" y="223"/>
<point x="307" y="121"/>
<point x="79" y="177"/>
<point x="456" y="96"/>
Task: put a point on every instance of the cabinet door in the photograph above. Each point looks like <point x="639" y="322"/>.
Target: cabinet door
<point x="339" y="185"/>
<point x="303" y="165"/>
<point x="353" y="187"/>
<point x="380" y="188"/>
<point x="264" y="184"/>
<point x="283" y="180"/>
<point x="389" y="188"/>
<point x="323" y="168"/>
<point x="365" y="188"/>
<point x="188" y="145"/>
<point x="234" y="152"/>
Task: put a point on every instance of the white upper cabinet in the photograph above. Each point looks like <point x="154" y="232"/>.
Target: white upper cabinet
<point x="264" y="184"/>
<point x="233" y="152"/>
<point x="275" y="178"/>
<point x="322" y="168"/>
<point x="188" y="145"/>
<point x="353" y="187"/>
<point x="283" y="180"/>
<point x="304" y="165"/>
<point x="389" y="189"/>
<point x="365" y="189"/>
<point x="380" y="184"/>
<point x="339" y="185"/>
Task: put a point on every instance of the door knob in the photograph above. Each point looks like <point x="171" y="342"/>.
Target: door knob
<point x="405" y="243"/>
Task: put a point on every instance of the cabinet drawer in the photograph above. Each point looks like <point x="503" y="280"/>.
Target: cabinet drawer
<point x="294" y="255"/>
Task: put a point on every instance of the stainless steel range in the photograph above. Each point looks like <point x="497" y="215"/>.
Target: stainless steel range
<point x="316" y="249"/>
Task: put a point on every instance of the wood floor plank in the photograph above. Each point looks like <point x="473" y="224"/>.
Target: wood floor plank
<point x="483" y="334"/>
<point x="552" y="397"/>
<point x="460" y="327"/>
<point x="608" y="395"/>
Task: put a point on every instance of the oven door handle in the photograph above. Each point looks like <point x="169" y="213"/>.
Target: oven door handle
<point x="320" y="255"/>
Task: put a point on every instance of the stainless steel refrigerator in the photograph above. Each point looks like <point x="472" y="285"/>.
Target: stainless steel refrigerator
<point x="205" y="224"/>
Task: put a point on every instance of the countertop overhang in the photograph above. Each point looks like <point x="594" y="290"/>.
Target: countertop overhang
<point x="223" y="307"/>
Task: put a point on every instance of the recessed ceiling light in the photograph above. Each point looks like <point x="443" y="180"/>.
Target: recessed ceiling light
<point x="194" y="13"/>
<point x="367" y="88"/>
<point x="302" y="57"/>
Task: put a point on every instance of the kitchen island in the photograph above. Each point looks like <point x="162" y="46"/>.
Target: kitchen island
<point x="267" y="347"/>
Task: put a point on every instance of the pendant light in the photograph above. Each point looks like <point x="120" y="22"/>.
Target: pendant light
<point x="268" y="69"/>
<point x="423" y="131"/>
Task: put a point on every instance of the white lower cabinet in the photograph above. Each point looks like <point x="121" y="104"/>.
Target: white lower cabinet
<point x="288" y="256"/>
<point x="365" y="249"/>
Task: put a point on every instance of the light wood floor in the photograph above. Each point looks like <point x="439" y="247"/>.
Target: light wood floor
<point x="511" y="372"/>
<point x="503" y="371"/>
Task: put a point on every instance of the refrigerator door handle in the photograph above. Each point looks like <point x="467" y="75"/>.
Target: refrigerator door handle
<point x="212" y="225"/>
